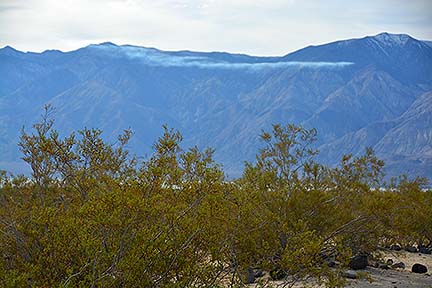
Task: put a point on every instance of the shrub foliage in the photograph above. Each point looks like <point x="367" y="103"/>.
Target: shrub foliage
<point x="92" y="215"/>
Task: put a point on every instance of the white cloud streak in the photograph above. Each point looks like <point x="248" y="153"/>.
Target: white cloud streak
<point x="153" y="57"/>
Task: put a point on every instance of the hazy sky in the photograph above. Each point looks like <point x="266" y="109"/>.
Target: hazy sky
<point x="260" y="27"/>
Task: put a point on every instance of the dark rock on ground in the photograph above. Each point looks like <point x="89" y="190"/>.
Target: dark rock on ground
<point x="419" y="268"/>
<point x="250" y="276"/>
<point x="398" y="265"/>
<point x="389" y="262"/>
<point x="258" y="273"/>
<point x="411" y="249"/>
<point x="383" y="266"/>
<point x="358" y="262"/>
<point x="395" y="247"/>
<point x="333" y="263"/>
<point x="350" y="274"/>
<point x="425" y="250"/>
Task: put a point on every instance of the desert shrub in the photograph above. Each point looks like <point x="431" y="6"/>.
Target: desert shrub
<point x="92" y="215"/>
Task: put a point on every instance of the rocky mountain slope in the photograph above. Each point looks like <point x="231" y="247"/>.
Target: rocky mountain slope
<point x="374" y="91"/>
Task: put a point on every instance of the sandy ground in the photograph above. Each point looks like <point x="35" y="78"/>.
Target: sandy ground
<point x="393" y="278"/>
<point x="398" y="278"/>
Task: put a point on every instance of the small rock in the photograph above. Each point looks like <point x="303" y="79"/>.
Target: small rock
<point x="258" y="273"/>
<point x="375" y="264"/>
<point x="395" y="247"/>
<point x="419" y="268"/>
<point x="350" y="274"/>
<point x="383" y="266"/>
<point x="411" y="249"/>
<point x="389" y="262"/>
<point x="250" y="276"/>
<point x="331" y="264"/>
<point x="358" y="262"/>
<point x="398" y="265"/>
<point x="425" y="250"/>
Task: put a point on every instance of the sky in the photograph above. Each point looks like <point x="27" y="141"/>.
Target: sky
<point x="256" y="27"/>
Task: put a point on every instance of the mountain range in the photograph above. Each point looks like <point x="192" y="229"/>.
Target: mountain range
<point x="374" y="91"/>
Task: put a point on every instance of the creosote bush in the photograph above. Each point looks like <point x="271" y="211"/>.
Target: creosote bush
<point x="92" y="215"/>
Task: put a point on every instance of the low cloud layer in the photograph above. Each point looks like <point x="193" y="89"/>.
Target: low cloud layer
<point x="153" y="57"/>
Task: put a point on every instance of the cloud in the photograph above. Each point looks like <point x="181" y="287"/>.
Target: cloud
<point x="153" y="57"/>
<point x="6" y="7"/>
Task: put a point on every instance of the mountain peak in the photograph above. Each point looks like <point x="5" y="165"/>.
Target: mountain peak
<point x="8" y="50"/>
<point x="103" y="44"/>
<point x="391" y="39"/>
<point x="7" y="47"/>
<point x="107" y="44"/>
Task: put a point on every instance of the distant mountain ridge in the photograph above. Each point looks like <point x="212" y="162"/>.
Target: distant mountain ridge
<point x="373" y="91"/>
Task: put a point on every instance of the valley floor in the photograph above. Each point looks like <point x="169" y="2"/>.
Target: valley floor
<point x="400" y="278"/>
